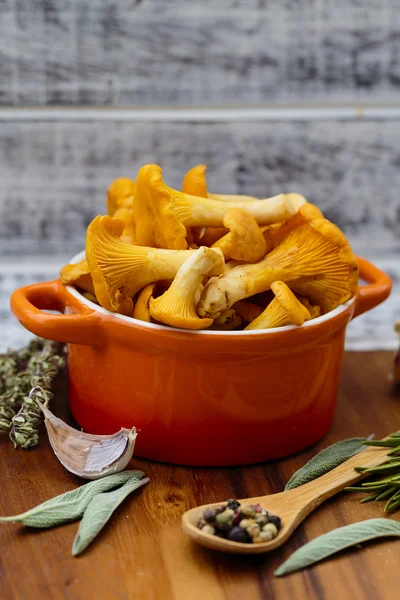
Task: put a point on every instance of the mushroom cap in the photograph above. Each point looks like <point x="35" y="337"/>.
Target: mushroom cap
<point x="297" y="313"/>
<point x="194" y="182"/>
<point x="157" y="223"/>
<point x="120" y="194"/>
<point x="120" y="270"/>
<point x="245" y="240"/>
<point x="79" y="275"/>
<point x="285" y="309"/>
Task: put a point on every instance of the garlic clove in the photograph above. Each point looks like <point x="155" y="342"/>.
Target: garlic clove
<point x="87" y="455"/>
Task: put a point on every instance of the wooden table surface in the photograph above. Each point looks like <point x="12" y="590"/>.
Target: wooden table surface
<point x="143" y="554"/>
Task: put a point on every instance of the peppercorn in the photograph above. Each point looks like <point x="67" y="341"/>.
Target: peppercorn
<point x="223" y="521"/>
<point x="247" y="510"/>
<point x="208" y="529"/>
<point x="265" y="536"/>
<point x="233" y="504"/>
<point x="275" y="520"/>
<point x="237" y="534"/>
<point x="271" y="528"/>
<point x="245" y="523"/>
<point x="253" y="530"/>
<point x="261" y="520"/>
<point x="209" y="515"/>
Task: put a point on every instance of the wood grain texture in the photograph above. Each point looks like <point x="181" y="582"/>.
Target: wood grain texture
<point x="143" y="553"/>
<point x="154" y="52"/>
<point x="54" y="175"/>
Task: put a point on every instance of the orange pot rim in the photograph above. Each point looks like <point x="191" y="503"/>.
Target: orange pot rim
<point x="242" y="333"/>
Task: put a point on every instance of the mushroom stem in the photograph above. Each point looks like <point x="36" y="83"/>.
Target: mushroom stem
<point x="176" y="306"/>
<point x="196" y="212"/>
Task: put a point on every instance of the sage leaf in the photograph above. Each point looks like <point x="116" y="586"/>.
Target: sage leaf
<point x="99" y="511"/>
<point x="325" y="461"/>
<point x="70" y="505"/>
<point x="337" y="540"/>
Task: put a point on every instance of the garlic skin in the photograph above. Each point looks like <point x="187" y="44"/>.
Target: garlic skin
<point x="87" y="455"/>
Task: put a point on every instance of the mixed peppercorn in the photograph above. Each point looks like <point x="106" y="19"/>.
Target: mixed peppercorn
<point x="245" y="523"/>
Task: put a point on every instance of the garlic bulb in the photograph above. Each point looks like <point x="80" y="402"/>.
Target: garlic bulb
<point x="87" y="455"/>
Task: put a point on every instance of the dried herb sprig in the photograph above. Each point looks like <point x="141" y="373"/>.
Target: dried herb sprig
<point x="387" y="487"/>
<point x="15" y="380"/>
<point x="42" y="368"/>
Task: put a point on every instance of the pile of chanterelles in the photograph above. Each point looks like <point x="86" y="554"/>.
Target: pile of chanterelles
<point x="194" y="260"/>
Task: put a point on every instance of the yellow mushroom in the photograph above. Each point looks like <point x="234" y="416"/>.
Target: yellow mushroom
<point x="142" y="310"/>
<point x="194" y="182"/>
<point x="285" y="309"/>
<point x="119" y="194"/>
<point x="78" y="275"/>
<point x="119" y="270"/>
<point x="248" y="311"/>
<point x="269" y="233"/>
<point x="313" y="309"/>
<point x="245" y="240"/>
<point x="90" y="297"/>
<point x="162" y="213"/>
<point x="120" y="205"/>
<point x="176" y="307"/>
<point x="312" y="256"/>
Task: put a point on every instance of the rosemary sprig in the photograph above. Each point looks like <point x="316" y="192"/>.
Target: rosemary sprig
<point x="41" y="370"/>
<point x="388" y="487"/>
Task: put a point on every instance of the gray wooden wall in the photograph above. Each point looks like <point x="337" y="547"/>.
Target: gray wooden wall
<point x="273" y="95"/>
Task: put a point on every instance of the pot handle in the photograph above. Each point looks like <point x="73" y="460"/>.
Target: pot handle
<point x="377" y="290"/>
<point x="80" y="326"/>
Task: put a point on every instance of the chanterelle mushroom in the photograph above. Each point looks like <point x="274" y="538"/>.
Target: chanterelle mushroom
<point x="285" y="309"/>
<point x="162" y="213"/>
<point x="313" y="256"/>
<point x="119" y="270"/>
<point x="142" y="309"/>
<point x="176" y="306"/>
<point x="78" y="275"/>
<point x="120" y="205"/>
<point x="245" y="240"/>
<point x="119" y="194"/>
<point x="194" y="182"/>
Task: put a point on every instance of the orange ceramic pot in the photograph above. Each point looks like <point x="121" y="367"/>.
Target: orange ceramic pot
<point x="199" y="398"/>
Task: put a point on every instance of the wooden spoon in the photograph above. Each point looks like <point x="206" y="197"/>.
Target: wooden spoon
<point x="291" y="506"/>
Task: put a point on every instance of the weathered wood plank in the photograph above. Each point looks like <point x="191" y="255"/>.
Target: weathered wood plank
<point x="53" y="175"/>
<point x="212" y="52"/>
<point x="371" y="331"/>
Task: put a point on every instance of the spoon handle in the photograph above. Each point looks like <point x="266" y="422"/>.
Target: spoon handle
<point x="312" y="494"/>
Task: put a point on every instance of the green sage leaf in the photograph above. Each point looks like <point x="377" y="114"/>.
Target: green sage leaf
<point x="337" y="540"/>
<point x="99" y="511"/>
<point x="325" y="461"/>
<point x="70" y="505"/>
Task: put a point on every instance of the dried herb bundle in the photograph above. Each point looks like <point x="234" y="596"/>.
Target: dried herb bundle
<point x="20" y="372"/>
<point x="387" y="487"/>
